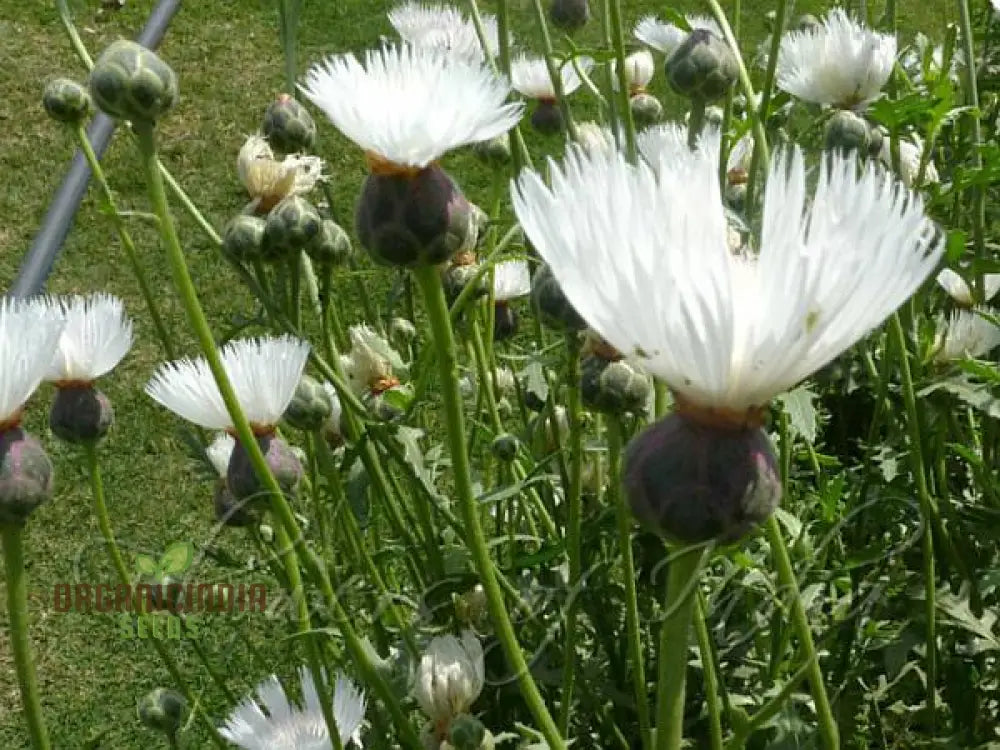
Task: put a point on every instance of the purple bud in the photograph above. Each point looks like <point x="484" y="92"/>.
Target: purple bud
<point x="25" y="476"/>
<point x="80" y="414"/>
<point x="547" y="118"/>
<point x="242" y="480"/>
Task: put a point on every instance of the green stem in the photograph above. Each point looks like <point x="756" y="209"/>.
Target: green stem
<point x="618" y="45"/>
<point x="769" y="710"/>
<point x="555" y="74"/>
<point x="518" y="151"/>
<point x="759" y="147"/>
<point x="288" y="20"/>
<point x="786" y="574"/>
<point x="711" y="679"/>
<point x="624" y="523"/>
<point x="682" y="589"/>
<point x="696" y="121"/>
<point x="17" y="609"/>
<point x="444" y="342"/>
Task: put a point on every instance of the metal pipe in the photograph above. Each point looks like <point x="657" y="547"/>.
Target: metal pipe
<point x="45" y="248"/>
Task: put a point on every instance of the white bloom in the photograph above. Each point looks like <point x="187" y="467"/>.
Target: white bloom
<point x="591" y="136"/>
<point x="96" y="336"/>
<point x="331" y="425"/>
<point x="410" y="105"/>
<point x="530" y="76"/>
<point x="504" y="379"/>
<point x="966" y="333"/>
<point x="220" y="451"/>
<point x="665" y="37"/>
<point x="29" y="336"/>
<point x="961" y="292"/>
<point x="371" y="362"/>
<point x="662" y="143"/>
<point x="641" y="254"/>
<point x="268" y="180"/>
<point x="639" y="70"/>
<point x="450" y="676"/>
<point x="511" y="279"/>
<point x="264" y="374"/>
<point x="445" y="27"/>
<point x="839" y="63"/>
<point x="909" y="161"/>
<point x="286" y="726"/>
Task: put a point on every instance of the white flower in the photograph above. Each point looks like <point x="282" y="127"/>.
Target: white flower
<point x="264" y="374"/>
<point x="639" y="70"/>
<point x="909" y="161"/>
<point x="450" y="676"/>
<point x="840" y="63"/>
<point x="591" y="135"/>
<point x="665" y="37"/>
<point x="371" y="362"/>
<point x="661" y="143"/>
<point x="504" y="379"/>
<point x="641" y="254"/>
<point x="511" y="279"/>
<point x="444" y="27"/>
<point x="96" y="336"/>
<point x="966" y="333"/>
<point x="268" y="180"/>
<point x="961" y="292"/>
<point x="286" y="726"/>
<point x="410" y="105"/>
<point x="530" y="76"/>
<point x="29" y="336"/>
<point x="220" y="451"/>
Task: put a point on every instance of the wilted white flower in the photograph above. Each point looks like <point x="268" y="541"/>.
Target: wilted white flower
<point x="382" y="103"/>
<point x="966" y="333"/>
<point x="264" y="374"/>
<point x="444" y="27"/>
<point x="96" y="335"/>
<point x="511" y="279"/>
<point x="450" y="676"/>
<point x="909" y="161"/>
<point x="269" y="180"/>
<point x="530" y="76"/>
<point x="666" y="37"/>
<point x="960" y="291"/>
<point x="840" y="63"/>
<point x="504" y="379"/>
<point x="219" y="451"/>
<point x="639" y="70"/>
<point x="29" y="336"/>
<point x="271" y="721"/>
<point x="653" y="274"/>
<point x="372" y="362"/>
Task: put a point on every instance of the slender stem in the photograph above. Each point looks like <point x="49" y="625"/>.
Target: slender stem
<point x="17" y="609"/>
<point x="555" y="74"/>
<point x="288" y="20"/>
<point x="682" y="589"/>
<point x="624" y="523"/>
<point x="760" y="147"/>
<point x="74" y="37"/>
<point x="786" y="574"/>
<point x="444" y="342"/>
<point x="711" y="679"/>
<point x="769" y="710"/>
<point x="696" y="121"/>
<point x="618" y="46"/>
<point x="518" y="151"/>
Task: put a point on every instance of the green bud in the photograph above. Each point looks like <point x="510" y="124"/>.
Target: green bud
<point x="291" y="226"/>
<point x="547" y="118"/>
<point x="556" y="311"/>
<point x="25" y="476"/>
<point x="702" y="67"/>
<point x="569" y="15"/>
<point x="846" y="131"/>
<point x="162" y="710"/>
<point x="288" y="126"/>
<point x="714" y="115"/>
<point x="130" y="82"/>
<point x="67" y="101"/>
<point x="309" y="407"/>
<point x="504" y="447"/>
<point x="466" y="732"/>
<point x="612" y="387"/>
<point x="243" y="238"/>
<point x="646" y="109"/>
<point x="80" y="414"/>
<point x="495" y="152"/>
<point x="332" y="246"/>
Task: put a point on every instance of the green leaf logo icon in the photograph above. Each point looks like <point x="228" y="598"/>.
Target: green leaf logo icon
<point x="177" y="558"/>
<point x="145" y="565"/>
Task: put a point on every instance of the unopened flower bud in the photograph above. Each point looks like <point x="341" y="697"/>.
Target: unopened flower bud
<point x="130" y="82"/>
<point x="242" y="480"/>
<point x="702" y="67"/>
<point x="80" y="414"/>
<point x="291" y="226"/>
<point x="504" y="447"/>
<point x="504" y="321"/>
<point x="495" y="152"/>
<point x="646" y="109"/>
<point x="612" y="387"/>
<point x="555" y="309"/>
<point x="450" y="677"/>
<point x="243" y="238"/>
<point x="67" y="101"/>
<point x="408" y="221"/>
<point x="569" y="15"/>
<point x="162" y="710"/>
<point x="309" y="407"/>
<point x="25" y="476"/>
<point x="845" y="131"/>
<point x="547" y="118"/>
<point x="466" y="733"/>
<point x="331" y="247"/>
<point x="288" y="126"/>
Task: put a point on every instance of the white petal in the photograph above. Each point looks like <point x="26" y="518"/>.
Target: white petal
<point x="909" y="161"/>
<point x="530" y="76"/>
<point x="639" y="70"/>
<point x="382" y="103"/>
<point x="96" y="337"/>
<point x="511" y="279"/>
<point x="29" y="336"/>
<point x="445" y="27"/>
<point x="665" y="37"/>
<point x="220" y="451"/>
<point x="349" y="706"/>
<point x="966" y="334"/>
<point x="955" y="286"/>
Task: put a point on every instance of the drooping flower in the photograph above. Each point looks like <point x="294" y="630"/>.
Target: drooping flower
<point x="960" y="291"/>
<point x="271" y="721"/>
<point x="269" y="180"/>
<point x="840" y="63"/>
<point x="529" y="76"/>
<point x="909" y="161"/>
<point x="666" y="37"/>
<point x="372" y="363"/>
<point x="444" y="27"/>
<point x="966" y="333"/>
<point x="450" y="677"/>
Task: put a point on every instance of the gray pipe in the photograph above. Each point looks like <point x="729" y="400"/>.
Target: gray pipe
<point x="41" y="256"/>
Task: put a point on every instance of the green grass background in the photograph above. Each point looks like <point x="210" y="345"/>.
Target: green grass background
<point x="228" y="60"/>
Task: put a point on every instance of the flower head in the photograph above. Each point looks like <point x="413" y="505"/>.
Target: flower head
<point x="382" y="103"/>
<point x="511" y="279"/>
<point x="286" y="726"/>
<point x="29" y="337"/>
<point x="966" y="333"/>
<point x="530" y="76"/>
<point x="269" y="180"/>
<point x="372" y="361"/>
<point x="958" y="289"/>
<point x="639" y="70"/>
<point x="96" y="335"/>
<point x="641" y="253"/>
<point x="450" y="676"/>
<point x="665" y="37"/>
<point x="840" y="63"/>
<point x="909" y="161"/>
<point x="591" y="135"/>
<point x="444" y="27"/>
<point x="264" y="373"/>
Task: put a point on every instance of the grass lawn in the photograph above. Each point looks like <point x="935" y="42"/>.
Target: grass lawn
<point x="229" y="64"/>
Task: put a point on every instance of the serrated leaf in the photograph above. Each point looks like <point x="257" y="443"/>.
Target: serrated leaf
<point x="798" y="404"/>
<point x="146" y="565"/>
<point x="177" y="558"/>
<point x="535" y="382"/>
<point x="976" y="395"/>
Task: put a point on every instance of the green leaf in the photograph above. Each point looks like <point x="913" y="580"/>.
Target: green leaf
<point x="535" y="382"/>
<point x="146" y="565"/>
<point x="177" y="558"/>
<point x="798" y="404"/>
<point x="976" y="395"/>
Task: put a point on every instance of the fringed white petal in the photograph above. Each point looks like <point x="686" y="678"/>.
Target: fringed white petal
<point x="29" y="336"/>
<point x="96" y="337"/>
